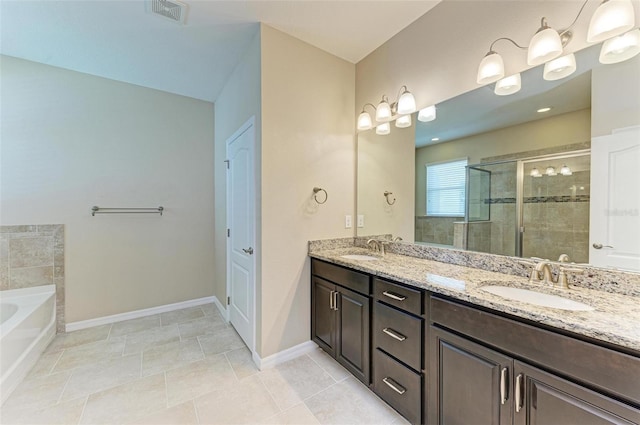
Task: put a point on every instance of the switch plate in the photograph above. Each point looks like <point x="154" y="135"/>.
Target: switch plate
<point x="360" y="220"/>
<point x="348" y="223"/>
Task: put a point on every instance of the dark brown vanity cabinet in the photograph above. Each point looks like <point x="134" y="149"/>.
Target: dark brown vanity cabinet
<point x="398" y="341"/>
<point x="340" y="316"/>
<point x="471" y="382"/>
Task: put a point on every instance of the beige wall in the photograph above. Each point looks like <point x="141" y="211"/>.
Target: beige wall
<point x="238" y="101"/>
<point x="615" y="96"/>
<point x="386" y="163"/>
<point x="560" y="130"/>
<point x="307" y="140"/>
<point x="71" y="141"/>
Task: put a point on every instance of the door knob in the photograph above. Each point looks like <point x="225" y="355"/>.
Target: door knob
<point x="248" y="251"/>
<point x="600" y="246"/>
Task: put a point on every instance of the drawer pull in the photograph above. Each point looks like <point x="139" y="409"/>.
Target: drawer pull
<point x="394" y="296"/>
<point x="394" y="385"/>
<point x="503" y="385"/>
<point x="519" y="393"/>
<point x="393" y="334"/>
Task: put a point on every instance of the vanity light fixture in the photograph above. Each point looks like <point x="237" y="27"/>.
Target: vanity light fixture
<point x="385" y="112"/>
<point x="508" y="85"/>
<point x="541" y="110"/>
<point x="535" y="173"/>
<point x="612" y="18"/>
<point x="565" y="171"/>
<point x="560" y="67"/>
<point x="621" y="48"/>
<point x="427" y="114"/>
<point x="551" y="171"/>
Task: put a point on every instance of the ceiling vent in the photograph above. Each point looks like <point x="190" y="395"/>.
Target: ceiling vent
<point x="172" y="10"/>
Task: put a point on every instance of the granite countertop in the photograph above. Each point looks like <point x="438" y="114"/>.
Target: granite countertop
<point x="615" y="320"/>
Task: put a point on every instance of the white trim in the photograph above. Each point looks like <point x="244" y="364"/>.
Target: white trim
<point x="284" y="355"/>
<point x="90" y="323"/>
<point x="222" y="309"/>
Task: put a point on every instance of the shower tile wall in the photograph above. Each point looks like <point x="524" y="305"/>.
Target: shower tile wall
<point x="436" y="230"/>
<point x="33" y="255"/>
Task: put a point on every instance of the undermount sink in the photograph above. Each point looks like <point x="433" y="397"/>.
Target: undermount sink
<point x="359" y="257"/>
<point x="537" y="298"/>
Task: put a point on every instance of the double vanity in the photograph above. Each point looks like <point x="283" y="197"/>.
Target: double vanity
<point x="450" y="344"/>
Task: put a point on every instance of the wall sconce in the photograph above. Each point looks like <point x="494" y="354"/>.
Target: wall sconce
<point x="565" y="171"/>
<point x="427" y="114"/>
<point x="535" y="173"/>
<point x="611" y="19"/>
<point x="508" y="85"/>
<point x="385" y="112"/>
<point x="551" y="171"/>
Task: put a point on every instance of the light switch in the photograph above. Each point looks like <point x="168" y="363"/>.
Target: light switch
<point x="360" y="220"/>
<point x="348" y="224"/>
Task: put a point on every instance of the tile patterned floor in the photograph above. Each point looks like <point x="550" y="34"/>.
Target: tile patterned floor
<point x="184" y="367"/>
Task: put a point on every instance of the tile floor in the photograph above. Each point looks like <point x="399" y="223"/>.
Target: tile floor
<point x="184" y="367"/>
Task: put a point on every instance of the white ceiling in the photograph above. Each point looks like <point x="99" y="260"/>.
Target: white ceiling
<point x="120" y="41"/>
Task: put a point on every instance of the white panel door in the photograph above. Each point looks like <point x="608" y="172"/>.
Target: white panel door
<point x="614" y="230"/>
<point x="241" y="220"/>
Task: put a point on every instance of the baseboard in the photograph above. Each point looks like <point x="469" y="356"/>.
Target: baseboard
<point x="222" y="309"/>
<point x="284" y="355"/>
<point x="83" y="324"/>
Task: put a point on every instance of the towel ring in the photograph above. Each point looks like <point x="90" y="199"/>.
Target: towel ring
<point x="387" y="194"/>
<point x="315" y="194"/>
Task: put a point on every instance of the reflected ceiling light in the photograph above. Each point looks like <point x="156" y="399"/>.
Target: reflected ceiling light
<point x="545" y="45"/>
<point x="427" y="114"/>
<point x="565" y="171"/>
<point x="491" y="68"/>
<point x="508" y="85"/>
<point x="435" y="139"/>
<point x="535" y="173"/>
<point x="383" y="129"/>
<point x="611" y="18"/>
<point x="543" y="110"/>
<point x="364" y="119"/>
<point x="383" y="111"/>
<point x="559" y="68"/>
<point x="403" y="121"/>
<point x="406" y="102"/>
<point x="551" y="171"/>
<point x="620" y="48"/>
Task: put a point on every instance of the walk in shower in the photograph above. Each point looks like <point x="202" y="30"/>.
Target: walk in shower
<point x="530" y="207"/>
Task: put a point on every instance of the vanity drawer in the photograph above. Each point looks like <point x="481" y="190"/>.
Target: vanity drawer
<point x="353" y="280"/>
<point x="399" y="334"/>
<point x="398" y="296"/>
<point x="398" y="385"/>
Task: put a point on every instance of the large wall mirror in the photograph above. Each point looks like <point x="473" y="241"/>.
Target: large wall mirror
<point x="505" y="175"/>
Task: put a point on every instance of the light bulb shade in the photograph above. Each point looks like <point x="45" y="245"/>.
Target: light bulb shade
<point x="535" y="173"/>
<point x="406" y="103"/>
<point x="403" y="121"/>
<point x="491" y="68"/>
<point x="427" y="114"/>
<point x="611" y="18"/>
<point x="620" y="48"/>
<point x="551" y="171"/>
<point x="565" y="171"/>
<point x="508" y="85"/>
<point x="383" y="111"/>
<point x="383" y="129"/>
<point x="364" y="121"/>
<point x="545" y="45"/>
<point x="560" y="67"/>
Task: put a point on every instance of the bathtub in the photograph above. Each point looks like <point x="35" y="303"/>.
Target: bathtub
<point x="27" y="326"/>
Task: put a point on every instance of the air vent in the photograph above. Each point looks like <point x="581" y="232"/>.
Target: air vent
<point x="173" y="10"/>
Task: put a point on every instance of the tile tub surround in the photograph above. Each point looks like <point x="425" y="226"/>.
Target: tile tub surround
<point x="199" y="372"/>
<point x="33" y="255"/>
<point x="614" y="320"/>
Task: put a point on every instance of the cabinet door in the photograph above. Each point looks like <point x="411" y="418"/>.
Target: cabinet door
<point x="323" y="316"/>
<point x="353" y="333"/>
<point x="548" y="399"/>
<point x="469" y="383"/>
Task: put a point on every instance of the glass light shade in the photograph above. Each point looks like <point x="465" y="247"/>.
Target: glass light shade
<point x="364" y="121"/>
<point x="508" y="85"/>
<point x="621" y="48"/>
<point x="559" y="68"/>
<point x="427" y="114"/>
<point x="545" y="45"/>
<point x="406" y="103"/>
<point x="535" y="173"/>
<point x="611" y="18"/>
<point x="383" y="129"/>
<point x="551" y="171"/>
<point x="491" y="68"/>
<point x="565" y="171"/>
<point x="403" y="121"/>
<point x="383" y="111"/>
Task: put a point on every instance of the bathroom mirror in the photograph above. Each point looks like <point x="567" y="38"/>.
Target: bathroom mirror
<point x="524" y="186"/>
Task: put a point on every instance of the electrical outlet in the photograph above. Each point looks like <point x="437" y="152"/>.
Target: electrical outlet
<point x="348" y="224"/>
<point x="360" y="220"/>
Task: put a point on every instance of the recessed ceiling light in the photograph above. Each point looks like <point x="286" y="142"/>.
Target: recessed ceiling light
<point x="435" y="139"/>
<point x="544" y="109"/>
